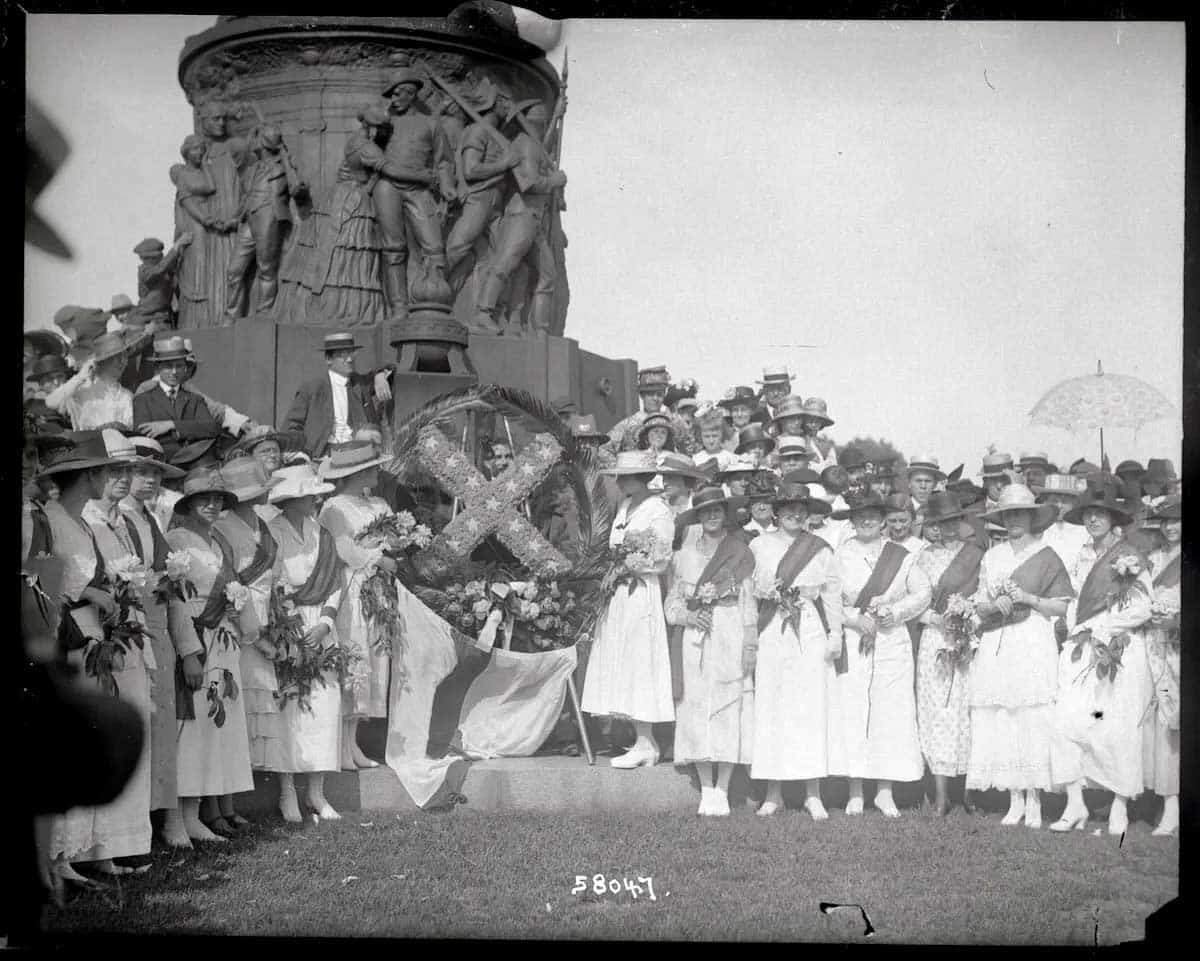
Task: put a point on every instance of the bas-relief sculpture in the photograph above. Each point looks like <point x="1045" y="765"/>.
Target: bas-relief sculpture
<point x="344" y="181"/>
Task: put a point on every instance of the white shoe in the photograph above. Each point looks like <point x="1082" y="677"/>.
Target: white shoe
<point x="1076" y="820"/>
<point x="1166" y="829"/>
<point x="705" y="808"/>
<point x="816" y="809"/>
<point x="1015" y="814"/>
<point x="718" y="803"/>
<point x="854" y="806"/>
<point x="886" y="805"/>
<point x="768" y="809"/>
<point x="636" y="757"/>
<point x="1033" y="813"/>
<point x="1118" y="820"/>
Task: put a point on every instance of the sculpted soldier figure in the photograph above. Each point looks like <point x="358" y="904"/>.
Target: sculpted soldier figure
<point x="417" y="159"/>
<point x="482" y="165"/>
<point x="264" y="220"/>
<point x="521" y="227"/>
<point x="156" y="282"/>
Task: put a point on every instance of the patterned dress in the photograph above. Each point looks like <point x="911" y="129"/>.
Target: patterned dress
<point x="943" y="704"/>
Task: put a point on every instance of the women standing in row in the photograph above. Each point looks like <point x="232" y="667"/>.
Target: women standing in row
<point x="943" y="706"/>
<point x="1023" y="586"/>
<point x="309" y="571"/>
<point x="629" y="670"/>
<point x="799" y="635"/>
<point x="712" y="600"/>
<point x="1100" y="705"/>
<point x="1160" y="744"/>
<point x="213" y="758"/>
<point x="874" y="716"/>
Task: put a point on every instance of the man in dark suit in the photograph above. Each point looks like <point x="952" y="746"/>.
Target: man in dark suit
<point x="170" y="413"/>
<point x="328" y="410"/>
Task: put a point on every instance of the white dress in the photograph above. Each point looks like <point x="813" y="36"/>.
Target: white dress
<point x="1066" y="539"/>
<point x="1160" y="732"/>
<point x="309" y="739"/>
<point x="629" y="667"/>
<point x="715" y="719"/>
<point x="120" y="828"/>
<point x="1013" y="682"/>
<point x="91" y="406"/>
<point x="1098" y="721"/>
<point x="794" y="674"/>
<point x="365" y="693"/>
<point x="212" y="760"/>
<point x="873" y="716"/>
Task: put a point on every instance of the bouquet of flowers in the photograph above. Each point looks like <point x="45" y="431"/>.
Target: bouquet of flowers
<point x="959" y="644"/>
<point x="124" y="629"/>
<point x="174" y="581"/>
<point x="299" y="662"/>
<point x="1106" y="658"/>
<point x="639" y="550"/>
<point x="1126" y="569"/>
<point x="397" y="533"/>
<point x="789" y="600"/>
<point x="1165" y="608"/>
<point x="877" y="609"/>
<point x="538" y="610"/>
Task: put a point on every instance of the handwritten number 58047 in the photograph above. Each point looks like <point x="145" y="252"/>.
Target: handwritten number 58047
<point x="600" y="885"/>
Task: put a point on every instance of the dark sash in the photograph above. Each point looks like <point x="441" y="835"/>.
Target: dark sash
<point x="884" y="572"/>
<point x="159" y="561"/>
<point x="206" y="620"/>
<point x="264" y="556"/>
<point x="1041" y="574"/>
<point x="1169" y="575"/>
<point x="800" y="553"/>
<point x="326" y="574"/>
<point x="70" y="637"/>
<point x="1101" y="584"/>
<point x="961" y="576"/>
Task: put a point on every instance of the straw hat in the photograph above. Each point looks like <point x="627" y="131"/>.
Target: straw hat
<point x="679" y="465"/>
<point x="738" y="466"/>
<point x="868" y="502"/>
<point x="114" y="343"/>
<point x="341" y="340"/>
<point x="633" y="462"/>
<point x="260" y="434"/>
<point x="790" y="406"/>
<point x="247" y="479"/>
<point x="996" y="466"/>
<point x="925" y="464"/>
<point x="203" y="480"/>
<point x="299" y="480"/>
<point x="1033" y="459"/>
<point x="1170" y="509"/>
<point x="170" y="348"/>
<point x="1104" y="498"/>
<point x="777" y="376"/>
<point x="348" y="459"/>
<point x="1063" y="484"/>
<point x="1018" y="497"/>
<point x="788" y="445"/>
<point x="817" y="408"/>
<point x="150" y="452"/>
<point x="653" y="380"/>
<point x="754" y="434"/>
<point x="796" y="493"/>
<point x="708" y="497"/>
<point x="90" y="448"/>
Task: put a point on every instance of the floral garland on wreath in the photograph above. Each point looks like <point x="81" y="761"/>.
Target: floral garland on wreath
<point x="399" y="535"/>
<point x="537" y="612"/>
<point x="124" y="629"/>
<point x="300" y="663"/>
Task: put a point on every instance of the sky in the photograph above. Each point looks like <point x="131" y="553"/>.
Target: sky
<point x="953" y="216"/>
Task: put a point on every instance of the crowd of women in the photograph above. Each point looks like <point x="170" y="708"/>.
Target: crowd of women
<point x="806" y="624"/>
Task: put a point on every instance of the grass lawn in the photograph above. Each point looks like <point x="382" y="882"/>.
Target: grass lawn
<point x="957" y="880"/>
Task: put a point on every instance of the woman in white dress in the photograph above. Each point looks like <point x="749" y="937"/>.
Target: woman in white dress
<point x="310" y="573"/>
<point x="798" y="639"/>
<point x="943" y="705"/>
<point x="1160" y="744"/>
<point x="1023" y="587"/>
<point x="873" y="718"/>
<point x="1098" y="717"/>
<point x="354" y="470"/>
<point x="711" y="601"/>
<point x="94" y="397"/>
<point x="213" y="757"/>
<point x="629" y="670"/>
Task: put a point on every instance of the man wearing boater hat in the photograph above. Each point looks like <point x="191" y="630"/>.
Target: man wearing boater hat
<point x="171" y="413"/>
<point x="652" y="388"/>
<point x="327" y="410"/>
<point x="776" y="384"/>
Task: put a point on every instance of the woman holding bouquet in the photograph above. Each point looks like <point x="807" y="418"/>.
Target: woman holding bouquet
<point x="308" y="573"/>
<point x="213" y="745"/>
<point x="873" y="726"/>
<point x="354" y="469"/>
<point x="945" y="648"/>
<point x="799" y="631"/>
<point x="1103" y="688"/>
<point x="1160" y="743"/>
<point x="1023" y="586"/>
<point x="711" y="601"/>
<point x="629" y="670"/>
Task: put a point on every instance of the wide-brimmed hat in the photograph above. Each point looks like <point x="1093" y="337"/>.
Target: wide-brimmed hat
<point x="1129" y="467"/>
<point x="679" y="465"/>
<point x="655" y="420"/>
<point x="48" y="366"/>
<point x="169" y="348"/>
<point x="260" y="434"/>
<point x="738" y="466"/>
<point x="403" y="75"/>
<point x="1159" y="471"/>
<point x="775" y="376"/>
<point x="996" y="466"/>
<point x="204" y="480"/>
<point x="943" y="506"/>
<point x="796" y="493"/>
<point x="81" y="324"/>
<point x="149" y="247"/>
<point x="1104" y="497"/>
<point x="347" y="459"/>
<point x="753" y="434"/>
<point x="115" y="343"/>
<point x="632" y="462"/>
<point x="1033" y="459"/>
<point x="47" y="342"/>
<point x="1064" y="484"/>
<point x="246" y="478"/>
<point x="341" y="340"/>
<point x="926" y="463"/>
<point x="867" y="502"/>
<point x="709" y="497"/>
<point x="187" y="455"/>
<point x="150" y="453"/>
<point x="788" y="445"/>
<point x="816" y="407"/>
<point x="91" y="448"/>
<point x="898" y="502"/>
<point x="686" y="402"/>
<point x="741" y="395"/>
<point x="790" y="406"/>
<point x="1169" y="509"/>
<point x="801" y="475"/>
<point x="653" y="380"/>
<point x="584" y="425"/>
<point x="851" y="457"/>
<point x="1018" y="497"/>
<point x="120" y="304"/>
<point x="298" y="480"/>
<point x="763" y="485"/>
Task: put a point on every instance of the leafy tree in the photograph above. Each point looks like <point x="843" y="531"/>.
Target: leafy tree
<point x="878" y="449"/>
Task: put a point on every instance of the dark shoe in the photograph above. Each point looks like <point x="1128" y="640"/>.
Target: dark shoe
<point x="222" y="827"/>
<point x="238" y="823"/>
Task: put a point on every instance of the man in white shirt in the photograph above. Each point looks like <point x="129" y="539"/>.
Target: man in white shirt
<point x="329" y="409"/>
